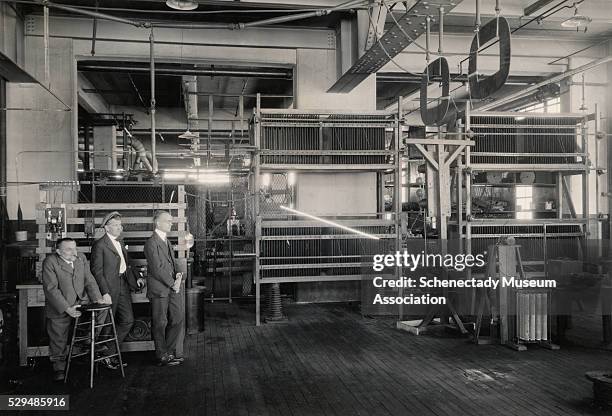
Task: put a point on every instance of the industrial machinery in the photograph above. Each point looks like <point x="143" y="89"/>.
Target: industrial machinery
<point x="293" y="244"/>
<point x="520" y="169"/>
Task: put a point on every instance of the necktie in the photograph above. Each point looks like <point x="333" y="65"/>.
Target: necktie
<point x="122" y="264"/>
<point x="171" y="256"/>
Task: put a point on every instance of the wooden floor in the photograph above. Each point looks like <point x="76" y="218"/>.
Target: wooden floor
<point x="328" y="360"/>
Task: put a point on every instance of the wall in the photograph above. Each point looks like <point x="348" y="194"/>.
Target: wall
<point x="316" y="73"/>
<point x="11" y="34"/>
<point x="338" y="193"/>
<point x="43" y="127"/>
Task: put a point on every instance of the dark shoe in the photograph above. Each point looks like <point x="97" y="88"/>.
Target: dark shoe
<point x="179" y="359"/>
<point x="172" y="360"/>
<point x="115" y="361"/>
<point x="167" y="361"/>
<point x="110" y="364"/>
<point x="58" y="375"/>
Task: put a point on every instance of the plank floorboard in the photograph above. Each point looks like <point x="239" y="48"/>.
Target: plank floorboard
<point x="328" y="360"/>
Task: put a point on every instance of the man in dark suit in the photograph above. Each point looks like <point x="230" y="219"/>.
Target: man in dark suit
<point x="109" y="265"/>
<point x="164" y="292"/>
<point x="67" y="283"/>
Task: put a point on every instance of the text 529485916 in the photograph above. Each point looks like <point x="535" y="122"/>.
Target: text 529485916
<point x="34" y="402"/>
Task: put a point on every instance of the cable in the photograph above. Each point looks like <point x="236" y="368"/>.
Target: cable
<point x="404" y="32"/>
<point x="378" y="42"/>
<point x="538" y="18"/>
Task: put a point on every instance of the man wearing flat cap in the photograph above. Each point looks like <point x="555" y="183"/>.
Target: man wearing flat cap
<point x="109" y="265"/>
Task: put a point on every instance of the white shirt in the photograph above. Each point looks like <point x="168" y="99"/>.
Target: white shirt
<point x="71" y="263"/>
<point x="117" y="244"/>
<point x="161" y="234"/>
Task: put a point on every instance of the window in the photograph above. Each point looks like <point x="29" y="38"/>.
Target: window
<point x="551" y="106"/>
<point x="523" y="202"/>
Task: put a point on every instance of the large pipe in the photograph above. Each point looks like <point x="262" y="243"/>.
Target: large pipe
<point x="263" y="22"/>
<point x="290" y="18"/>
<point x="550" y="80"/>
<point x="231" y="26"/>
<point x="541" y="95"/>
<point x="152" y="110"/>
<point x="192" y="112"/>
<point x="141" y="152"/>
<point x="89" y="13"/>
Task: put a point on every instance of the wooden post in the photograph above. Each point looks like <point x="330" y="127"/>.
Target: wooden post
<point x="507" y="268"/>
<point x="23" y="327"/>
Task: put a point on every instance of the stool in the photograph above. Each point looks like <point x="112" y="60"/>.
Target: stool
<point x="93" y="308"/>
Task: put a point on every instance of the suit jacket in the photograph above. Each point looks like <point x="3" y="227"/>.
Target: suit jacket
<point x="105" y="265"/>
<point x="161" y="266"/>
<point x="65" y="286"/>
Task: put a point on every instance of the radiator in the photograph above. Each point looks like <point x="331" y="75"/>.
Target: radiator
<point x="532" y="316"/>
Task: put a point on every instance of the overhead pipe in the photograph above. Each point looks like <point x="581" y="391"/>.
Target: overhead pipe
<point x="259" y="23"/>
<point x="231" y="26"/>
<point x="77" y="10"/>
<point x="46" y="44"/>
<point x="180" y="72"/>
<point x="541" y="95"/>
<point x="550" y="80"/>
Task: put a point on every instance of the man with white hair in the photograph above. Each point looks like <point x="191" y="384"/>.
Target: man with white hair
<point x="164" y="292"/>
<point x="68" y="284"/>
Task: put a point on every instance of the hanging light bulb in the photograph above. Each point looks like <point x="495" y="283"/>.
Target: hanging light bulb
<point x="182" y="5"/>
<point x="188" y="135"/>
<point x="577" y="20"/>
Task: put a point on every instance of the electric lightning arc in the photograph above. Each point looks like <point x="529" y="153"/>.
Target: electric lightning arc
<point x="295" y="211"/>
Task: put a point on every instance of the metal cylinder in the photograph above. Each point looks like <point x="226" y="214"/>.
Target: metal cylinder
<point x="194" y="309"/>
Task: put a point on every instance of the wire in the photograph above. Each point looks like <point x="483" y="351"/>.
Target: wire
<point x="404" y="32"/>
<point x="538" y="18"/>
<point x="379" y="43"/>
